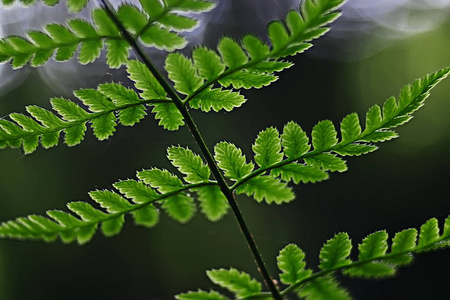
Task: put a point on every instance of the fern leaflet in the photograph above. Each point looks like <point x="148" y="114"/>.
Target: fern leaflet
<point x="158" y="25"/>
<point x="290" y="157"/>
<point x="374" y="260"/>
<point x="136" y="197"/>
<point x="253" y="63"/>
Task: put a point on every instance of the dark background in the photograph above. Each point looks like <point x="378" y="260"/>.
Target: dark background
<point x="399" y="186"/>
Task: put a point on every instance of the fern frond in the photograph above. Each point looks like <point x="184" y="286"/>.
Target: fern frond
<point x="61" y="42"/>
<point x="72" y="5"/>
<point x="374" y="261"/>
<point x="157" y="25"/>
<point x="83" y="227"/>
<point x="293" y="160"/>
<point x="109" y="104"/>
<point x="252" y="63"/>
<point x="135" y="197"/>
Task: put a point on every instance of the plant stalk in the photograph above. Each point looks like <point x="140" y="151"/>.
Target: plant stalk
<point x="203" y="148"/>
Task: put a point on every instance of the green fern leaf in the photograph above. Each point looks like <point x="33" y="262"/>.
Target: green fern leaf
<point x="112" y="226"/>
<point x="267" y="147"/>
<point x="104" y="126"/>
<point x="162" y="39"/>
<point x="74" y="5"/>
<point x="335" y="252"/>
<point x="371" y="270"/>
<point x="270" y="66"/>
<point x="68" y="110"/>
<point x="208" y="63"/>
<point x="81" y="28"/>
<point x="278" y="35"/>
<point x="255" y="47"/>
<point x="379" y="136"/>
<point x="147" y="216"/>
<point x="294" y="140"/>
<point x="200" y="295"/>
<point x="85" y="233"/>
<point x="168" y="115"/>
<point x="161" y="30"/>
<point x="95" y="100"/>
<point x="324" y="136"/>
<point x="232" y="54"/>
<point x="402" y="242"/>
<point x="30" y="144"/>
<point x="373" y="246"/>
<point x="61" y="34"/>
<point x="137" y="191"/>
<point x="231" y="160"/>
<point x="74" y="135"/>
<point x="118" y="94"/>
<point x="153" y="8"/>
<point x="179" y="23"/>
<point x="247" y="80"/>
<point x="102" y="104"/>
<point x="300" y="173"/>
<point x="291" y="262"/>
<point x="89" y="51"/>
<point x="162" y="180"/>
<point x="217" y="99"/>
<point x="323" y="288"/>
<point x="112" y="202"/>
<point x="132" y="18"/>
<point x="303" y="27"/>
<point x="175" y="202"/>
<point x="105" y="26"/>
<point x="38" y="47"/>
<point x="181" y="71"/>
<point x="189" y="164"/>
<point x="327" y="161"/>
<point x="446" y="234"/>
<point x="213" y="203"/>
<point x="117" y="52"/>
<point x="122" y="96"/>
<point x="256" y="70"/>
<point x="46" y="118"/>
<point x="266" y="188"/>
<point x="180" y="207"/>
<point x="145" y="81"/>
<point x="86" y="211"/>
<point x="350" y="128"/>
<point x="237" y="282"/>
<point x="429" y="234"/>
<point x="355" y="149"/>
<point x="373" y="118"/>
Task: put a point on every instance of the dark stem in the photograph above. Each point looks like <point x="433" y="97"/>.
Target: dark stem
<point x="203" y="148"/>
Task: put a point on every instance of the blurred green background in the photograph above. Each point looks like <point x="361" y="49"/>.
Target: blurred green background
<point x="399" y="186"/>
